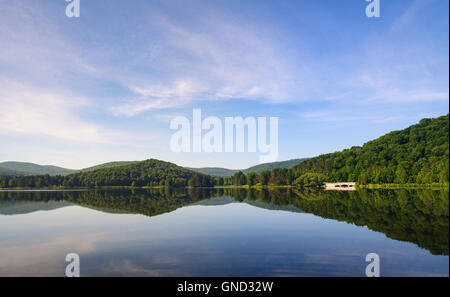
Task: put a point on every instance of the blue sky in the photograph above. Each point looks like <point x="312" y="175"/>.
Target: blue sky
<point x="76" y="92"/>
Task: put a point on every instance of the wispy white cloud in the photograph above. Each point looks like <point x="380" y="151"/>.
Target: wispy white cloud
<point x="230" y="60"/>
<point x="213" y="59"/>
<point x="160" y="97"/>
<point x="28" y="110"/>
<point x="33" y="46"/>
<point x="41" y="71"/>
<point x="222" y="61"/>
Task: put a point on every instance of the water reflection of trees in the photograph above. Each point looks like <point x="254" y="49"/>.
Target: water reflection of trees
<point x="418" y="216"/>
<point x="421" y="217"/>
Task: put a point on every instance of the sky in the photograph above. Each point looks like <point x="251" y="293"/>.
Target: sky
<point x="76" y="92"/>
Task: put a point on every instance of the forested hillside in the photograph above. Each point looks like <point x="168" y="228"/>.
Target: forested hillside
<point x="418" y="154"/>
<point x="146" y="173"/>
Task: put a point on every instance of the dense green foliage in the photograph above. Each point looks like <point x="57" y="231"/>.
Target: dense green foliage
<point x="278" y="177"/>
<point x="311" y="180"/>
<point x="418" y="154"/>
<point x="31" y="181"/>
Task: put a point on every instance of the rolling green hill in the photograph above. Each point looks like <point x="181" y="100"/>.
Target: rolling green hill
<point x="108" y="165"/>
<point x="417" y="154"/>
<point x="145" y="173"/>
<point x="24" y="168"/>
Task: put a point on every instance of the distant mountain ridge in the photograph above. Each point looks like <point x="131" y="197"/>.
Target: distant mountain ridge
<point x="10" y="172"/>
<point x="214" y="171"/>
<point x="24" y="168"/>
<point x="13" y="168"/>
<point x="224" y="172"/>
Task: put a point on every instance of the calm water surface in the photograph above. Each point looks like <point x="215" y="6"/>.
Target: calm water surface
<point x="224" y="232"/>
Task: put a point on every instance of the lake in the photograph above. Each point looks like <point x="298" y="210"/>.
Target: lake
<point x="224" y="232"/>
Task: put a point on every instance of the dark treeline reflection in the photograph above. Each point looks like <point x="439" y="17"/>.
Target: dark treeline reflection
<point x="418" y="216"/>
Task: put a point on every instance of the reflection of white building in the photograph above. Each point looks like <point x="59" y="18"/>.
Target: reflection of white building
<point x="345" y="186"/>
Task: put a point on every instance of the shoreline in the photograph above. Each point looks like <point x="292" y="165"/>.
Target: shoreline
<point x="357" y="186"/>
